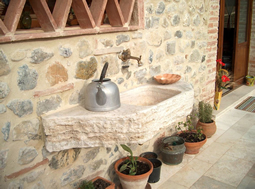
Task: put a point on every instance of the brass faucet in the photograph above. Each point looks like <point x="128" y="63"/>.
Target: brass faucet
<point x="126" y="54"/>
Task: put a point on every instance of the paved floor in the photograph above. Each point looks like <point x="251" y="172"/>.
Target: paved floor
<point x="227" y="160"/>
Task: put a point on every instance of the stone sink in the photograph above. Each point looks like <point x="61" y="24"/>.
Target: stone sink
<point x="144" y="111"/>
<point x="147" y="95"/>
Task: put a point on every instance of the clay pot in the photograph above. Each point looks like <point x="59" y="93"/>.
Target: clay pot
<point x="133" y="181"/>
<point x="194" y="147"/>
<point x="208" y="128"/>
<point x="112" y="185"/>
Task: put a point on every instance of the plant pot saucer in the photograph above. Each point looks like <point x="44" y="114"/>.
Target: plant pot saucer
<point x="148" y="186"/>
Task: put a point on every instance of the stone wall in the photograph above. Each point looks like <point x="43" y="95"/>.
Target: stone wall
<point x="251" y="69"/>
<point x="42" y="76"/>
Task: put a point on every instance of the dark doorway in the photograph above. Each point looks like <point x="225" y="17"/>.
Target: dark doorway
<point x="229" y="34"/>
<point x="234" y="37"/>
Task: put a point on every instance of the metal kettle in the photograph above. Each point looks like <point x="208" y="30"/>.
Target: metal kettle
<point x="102" y="94"/>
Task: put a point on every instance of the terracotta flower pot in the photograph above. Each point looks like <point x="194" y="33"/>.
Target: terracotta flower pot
<point x="112" y="185"/>
<point x="208" y="128"/>
<point x="133" y="181"/>
<point x="194" y="147"/>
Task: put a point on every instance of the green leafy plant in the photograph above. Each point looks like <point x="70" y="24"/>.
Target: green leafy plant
<point x="188" y="131"/>
<point x="205" y="112"/>
<point x="130" y="163"/>
<point x="86" y="185"/>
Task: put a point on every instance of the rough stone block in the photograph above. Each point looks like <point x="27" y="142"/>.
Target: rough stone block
<point x="3" y="158"/>
<point x="161" y="7"/>
<point x="6" y="130"/>
<point x="84" y="49"/>
<point x="122" y="39"/>
<point x="65" y="52"/>
<point x="19" y="55"/>
<point x="56" y="73"/>
<point x="4" y="66"/>
<point x="27" y="155"/>
<point x="86" y="69"/>
<point x="4" y="89"/>
<point x="2" y="109"/>
<point x="27" y="79"/>
<point x="171" y="48"/>
<point x="76" y="127"/>
<point x="26" y="130"/>
<point x="72" y="174"/>
<point x="48" y="104"/>
<point x="38" y="56"/>
<point x="64" y="158"/>
<point x="21" y="107"/>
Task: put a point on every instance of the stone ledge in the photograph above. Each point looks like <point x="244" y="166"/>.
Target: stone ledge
<point x="78" y="128"/>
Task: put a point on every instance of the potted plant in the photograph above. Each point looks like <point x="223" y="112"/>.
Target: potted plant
<point x="97" y="183"/>
<point x="250" y="80"/>
<point x="224" y="80"/>
<point x="205" y="120"/>
<point x="133" y="171"/>
<point x="194" y="138"/>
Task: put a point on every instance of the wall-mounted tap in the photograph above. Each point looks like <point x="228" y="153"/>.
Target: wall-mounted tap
<point x="126" y="55"/>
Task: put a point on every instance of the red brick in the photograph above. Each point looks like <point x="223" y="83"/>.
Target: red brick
<point x="212" y="43"/>
<point x="213" y="31"/>
<point x="54" y="90"/>
<point x="26" y="170"/>
<point x="214" y="19"/>
<point x="215" y="7"/>
<point x="211" y="55"/>
<point x="210" y="25"/>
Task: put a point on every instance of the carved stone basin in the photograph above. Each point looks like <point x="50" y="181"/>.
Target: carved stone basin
<point x="144" y="112"/>
<point x="148" y="95"/>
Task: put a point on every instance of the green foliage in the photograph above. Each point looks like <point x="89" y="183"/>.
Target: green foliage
<point x="86" y="185"/>
<point x="205" y="112"/>
<point x="189" y="131"/>
<point x="130" y="163"/>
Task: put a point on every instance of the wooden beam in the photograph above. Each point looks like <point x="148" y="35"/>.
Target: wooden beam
<point x="127" y="7"/>
<point x="3" y="29"/>
<point x="83" y="14"/>
<point x="61" y="11"/>
<point x="43" y="15"/>
<point x="97" y="10"/>
<point x="114" y="13"/>
<point x="13" y="13"/>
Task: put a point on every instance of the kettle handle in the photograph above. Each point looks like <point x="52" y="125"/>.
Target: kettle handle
<point x="102" y="76"/>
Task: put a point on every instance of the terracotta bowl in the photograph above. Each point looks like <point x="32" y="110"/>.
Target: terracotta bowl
<point x="167" y="78"/>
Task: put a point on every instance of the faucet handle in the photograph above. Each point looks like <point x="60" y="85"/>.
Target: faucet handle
<point x="126" y="54"/>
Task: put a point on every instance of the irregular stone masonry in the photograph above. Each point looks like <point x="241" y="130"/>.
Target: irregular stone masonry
<point x="178" y="37"/>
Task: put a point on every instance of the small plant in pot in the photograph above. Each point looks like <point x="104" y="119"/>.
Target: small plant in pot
<point x="133" y="171"/>
<point x="97" y="183"/>
<point x="194" y="138"/>
<point x="205" y="120"/>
